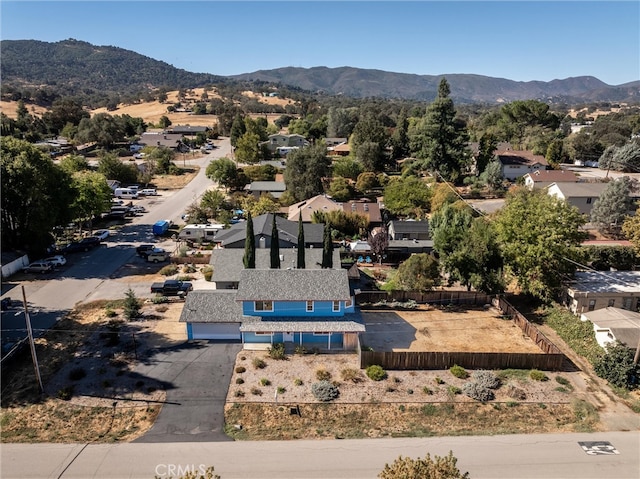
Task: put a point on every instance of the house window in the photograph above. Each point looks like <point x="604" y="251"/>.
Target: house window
<point x="321" y="333"/>
<point x="626" y="303"/>
<point x="336" y="306"/>
<point x="611" y="303"/>
<point x="588" y="201"/>
<point x="262" y="333"/>
<point x="592" y="304"/>
<point x="348" y="303"/>
<point x="263" y="306"/>
<point x="309" y="306"/>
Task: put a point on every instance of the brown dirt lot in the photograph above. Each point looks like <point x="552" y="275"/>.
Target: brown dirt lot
<point x="445" y="329"/>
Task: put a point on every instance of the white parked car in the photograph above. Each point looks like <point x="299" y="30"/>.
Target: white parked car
<point x="57" y="260"/>
<point x="102" y="234"/>
<point x="138" y="156"/>
<point x="138" y="209"/>
<point x="148" y="192"/>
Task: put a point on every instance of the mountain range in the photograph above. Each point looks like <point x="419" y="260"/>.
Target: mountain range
<point x="80" y="66"/>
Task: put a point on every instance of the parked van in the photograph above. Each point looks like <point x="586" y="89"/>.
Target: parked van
<point x="126" y="193"/>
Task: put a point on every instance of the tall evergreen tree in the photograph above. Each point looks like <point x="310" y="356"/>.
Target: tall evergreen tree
<point x="301" y="264"/>
<point x="275" y="245"/>
<point x="249" y="258"/>
<point x="327" y="248"/>
<point x="613" y="206"/>
<point x="440" y="140"/>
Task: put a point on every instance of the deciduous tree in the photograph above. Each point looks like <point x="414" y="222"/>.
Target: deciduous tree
<point x="407" y="196"/>
<point x="539" y="236"/>
<point x="420" y="272"/>
<point x="305" y="170"/>
<point x="631" y="229"/>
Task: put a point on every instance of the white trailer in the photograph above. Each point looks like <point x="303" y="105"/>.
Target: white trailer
<point x="199" y="232"/>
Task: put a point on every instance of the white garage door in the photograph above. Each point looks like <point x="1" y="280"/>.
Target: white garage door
<point x="216" y="331"/>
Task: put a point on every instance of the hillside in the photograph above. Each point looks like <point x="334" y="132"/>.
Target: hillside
<point x="104" y="75"/>
<point x="465" y="88"/>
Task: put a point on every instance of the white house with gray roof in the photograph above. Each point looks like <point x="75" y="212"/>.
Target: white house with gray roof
<point x="593" y="290"/>
<point x="615" y="324"/>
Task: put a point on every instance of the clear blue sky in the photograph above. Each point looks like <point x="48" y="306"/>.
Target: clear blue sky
<point x="518" y="40"/>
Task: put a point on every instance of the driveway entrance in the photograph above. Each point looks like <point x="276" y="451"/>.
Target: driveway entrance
<point x="200" y="373"/>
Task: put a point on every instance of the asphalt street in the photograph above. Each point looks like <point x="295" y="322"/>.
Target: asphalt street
<point x="535" y="456"/>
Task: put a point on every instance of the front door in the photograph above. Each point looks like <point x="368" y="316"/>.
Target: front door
<point x="287" y="337"/>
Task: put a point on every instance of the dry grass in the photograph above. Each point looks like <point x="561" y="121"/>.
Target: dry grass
<point x="111" y="402"/>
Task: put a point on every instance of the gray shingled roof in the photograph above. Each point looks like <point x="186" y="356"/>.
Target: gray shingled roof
<point x="606" y="282"/>
<point x="211" y="306"/>
<point x="227" y="262"/>
<point x="580" y="190"/>
<point x="410" y="226"/>
<point x="349" y="323"/>
<point x="267" y="186"/>
<point x="287" y="231"/>
<point x="293" y="285"/>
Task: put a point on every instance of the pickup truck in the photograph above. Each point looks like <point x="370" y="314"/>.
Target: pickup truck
<point x="172" y="287"/>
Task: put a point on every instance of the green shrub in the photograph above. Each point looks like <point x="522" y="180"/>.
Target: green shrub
<point x="207" y="271"/>
<point x="376" y="373"/>
<point x="258" y="363"/>
<point x="322" y="374"/>
<point x="300" y="350"/>
<point x="351" y="374"/>
<point x="77" y="373"/>
<point x="240" y="369"/>
<point x="131" y="305"/>
<point x="564" y="382"/>
<point x="453" y="390"/>
<point x="277" y="351"/>
<point x="281" y="390"/>
<point x="439" y="380"/>
<point x="459" y="372"/>
<point x="426" y="390"/>
<point x="616" y="366"/>
<point x="298" y="382"/>
<point x="256" y="391"/>
<point x="110" y="313"/>
<point x="169" y="270"/>
<point x="65" y="393"/>
<point x="264" y="382"/>
<point x="239" y="381"/>
<point x="159" y="299"/>
<point x="188" y="269"/>
<point x="537" y="375"/>
<point x="324" y="391"/>
<point x="478" y="391"/>
<point x="429" y="409"/>
<point x="239" y="393"/>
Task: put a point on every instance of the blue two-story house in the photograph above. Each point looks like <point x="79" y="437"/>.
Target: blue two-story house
<point x="313" y="308"/>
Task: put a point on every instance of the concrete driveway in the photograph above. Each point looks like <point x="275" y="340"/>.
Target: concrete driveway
<point x="200" y="373"/>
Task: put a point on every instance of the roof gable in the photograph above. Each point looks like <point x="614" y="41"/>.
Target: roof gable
<point x="521" y="158"/>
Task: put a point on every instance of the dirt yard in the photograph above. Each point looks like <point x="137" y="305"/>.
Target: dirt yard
<point x="445" y="329"/>
<point x="92" y="392"/>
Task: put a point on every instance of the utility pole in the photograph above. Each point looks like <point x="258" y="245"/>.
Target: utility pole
<point x="31" y="343"/>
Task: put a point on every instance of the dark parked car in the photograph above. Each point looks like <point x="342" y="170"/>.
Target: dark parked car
<point x="85" y="244"/>
<point x="144" y="249"/>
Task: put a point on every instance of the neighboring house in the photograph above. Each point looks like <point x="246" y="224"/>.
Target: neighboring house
<point x="518" y="163"/>
<point x="331" y="142"/>
<point x="592" y="290"/>
<point x="615" y="324"/>
<point x="287" y="233"/>
<point x="167" y="140"/>
<point x="309" y="308"/>
<point x="274" y="188"/>
<point x="412" y="230"/>
<point x="400" y="250"/>
<point x="580" y="195"/>
<point x="187" y="130"/>
<point x="543" y="178"/>
<point x="343" y="149"/>
<point x="227" y="263"/>
<point x="370" y="210"/>
<point x="279" y="140"/>
<point x="306" y="208"/>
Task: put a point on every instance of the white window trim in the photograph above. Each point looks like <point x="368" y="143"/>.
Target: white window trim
<point x="335" y="306"/>
<point x="255" y="306"/>
<point x="307" y="306"/>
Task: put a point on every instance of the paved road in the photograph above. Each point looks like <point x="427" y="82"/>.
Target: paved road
<point x="199" y="373"/>
<point x="552" y="456"/>
<point x="96" y="274"/>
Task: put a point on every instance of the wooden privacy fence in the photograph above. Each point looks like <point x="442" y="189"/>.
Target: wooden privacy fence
<point x="551" y="360"/>
<point x="407" y="360"/>
<point x="432" y="297"/>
